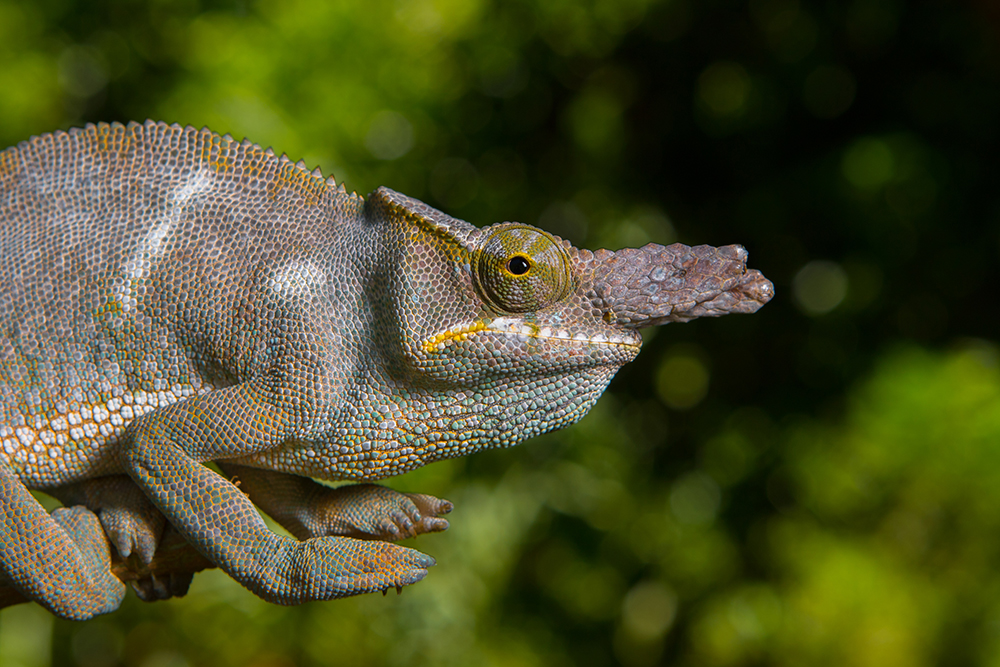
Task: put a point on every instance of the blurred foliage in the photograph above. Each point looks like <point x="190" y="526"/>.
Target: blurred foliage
<point x="817" y="484"/>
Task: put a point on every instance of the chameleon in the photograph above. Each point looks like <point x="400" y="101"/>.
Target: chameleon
<point x="179" y="309"/>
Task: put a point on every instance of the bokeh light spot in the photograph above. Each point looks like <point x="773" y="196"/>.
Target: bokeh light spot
<point x="819" y="287"/>
<point x="648" y="610"/>
<point x="82" y="71"/>
<point x="695" y="499"/>
<point x="595" y="119"/>
<point x="682" y="381"/>
<point x="868" y="164"/>
<point x="390" y="135"/>
<point x="724" y="88"/>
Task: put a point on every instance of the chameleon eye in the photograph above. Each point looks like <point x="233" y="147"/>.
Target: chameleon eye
<point x="519" y="269"/>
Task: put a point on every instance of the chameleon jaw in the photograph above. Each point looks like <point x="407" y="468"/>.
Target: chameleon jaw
<point x="523" y="331"/>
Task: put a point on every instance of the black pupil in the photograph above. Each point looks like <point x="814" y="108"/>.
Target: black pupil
<point x="518" y="265"/>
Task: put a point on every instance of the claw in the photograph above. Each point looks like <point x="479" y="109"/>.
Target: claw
<point x="123" y="545"/>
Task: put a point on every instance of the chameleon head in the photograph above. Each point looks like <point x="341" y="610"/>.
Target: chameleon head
<point x="512" y="308"/>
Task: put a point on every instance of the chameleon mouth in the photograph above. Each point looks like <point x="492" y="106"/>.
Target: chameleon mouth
<point x="523" y="331"/>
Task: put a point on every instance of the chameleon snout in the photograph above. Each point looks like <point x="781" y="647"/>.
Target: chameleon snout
<point x="655" y="284"/>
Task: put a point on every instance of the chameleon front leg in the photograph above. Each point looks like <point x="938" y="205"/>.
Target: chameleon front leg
<point x="62" y="560"/>
<point x="161" y="453"/>
<point x="364" y="511"/>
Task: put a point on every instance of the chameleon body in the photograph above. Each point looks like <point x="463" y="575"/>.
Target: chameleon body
<point x="171" y="297"/>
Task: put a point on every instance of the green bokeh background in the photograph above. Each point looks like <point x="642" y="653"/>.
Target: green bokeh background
<point x="818" y="484"/>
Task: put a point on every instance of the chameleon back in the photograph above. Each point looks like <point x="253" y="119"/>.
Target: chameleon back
<point x="126" y="252"/>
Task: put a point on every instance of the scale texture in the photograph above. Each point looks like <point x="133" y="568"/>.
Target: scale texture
<point x="171" y="297"/>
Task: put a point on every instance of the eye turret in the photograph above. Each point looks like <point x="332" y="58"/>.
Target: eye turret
<point x="518" y="269"/>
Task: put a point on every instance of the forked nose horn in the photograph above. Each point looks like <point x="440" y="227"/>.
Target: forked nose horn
<point x="655" y="284"/>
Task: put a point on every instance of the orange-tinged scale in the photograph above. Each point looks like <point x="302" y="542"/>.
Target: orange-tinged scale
<point x="205" y="145"/>
<point x="255" y="162"/>
<point x="223" y="159"/>
<point x="113" y="139"/>
<point x="309" y="187"/>
<point x="417" y="226"/>
<point x="6" y="163"/>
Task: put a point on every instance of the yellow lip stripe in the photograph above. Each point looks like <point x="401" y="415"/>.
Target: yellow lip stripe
<point x="515" y="328"/>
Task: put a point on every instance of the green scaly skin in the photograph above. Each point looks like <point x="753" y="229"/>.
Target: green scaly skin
<point x="170" y="297"/>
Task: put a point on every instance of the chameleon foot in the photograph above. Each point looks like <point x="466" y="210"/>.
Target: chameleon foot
<point x="131" y="522"/>
<point x="324" y="568"/>
<point x="163" y="586"/>
<point x="373" y="512"/>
